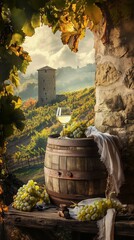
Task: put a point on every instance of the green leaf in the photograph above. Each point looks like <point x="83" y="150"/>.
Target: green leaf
<point x="35" y="21"/>
<point x="16" y="39"/>
<point x="55" y="27"/>
<point x="44" y="20"/>
<point x="24" y="66"/>
<point x="28" y="29"/>
<point x="14" y="77"/>
<point x="18" y="18"/>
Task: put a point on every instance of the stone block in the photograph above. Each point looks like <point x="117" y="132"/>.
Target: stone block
<point x="129" y="78"/>
<point x="115" y="103"/>
<point x="107" y="74"/>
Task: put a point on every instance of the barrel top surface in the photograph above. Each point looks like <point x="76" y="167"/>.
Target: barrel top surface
<point x="54" y="139"/>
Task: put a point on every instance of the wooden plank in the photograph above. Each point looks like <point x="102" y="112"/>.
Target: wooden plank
<point x="80" y="164"/>
<point x="49" y="219"/>
<point x="63" y="163"/>
<point x="63" y="186"/>
<point x="56" y="187"/>
<point x="80" y="188"/>
<point x="55" y="162"/>
<point x="71" y="163"/>
<point x="47" y="160"/>
<point x="49" y="182"/>
<point x="71" y="187"/>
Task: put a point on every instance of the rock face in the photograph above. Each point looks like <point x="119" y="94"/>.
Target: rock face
<point x="114" y="110"/>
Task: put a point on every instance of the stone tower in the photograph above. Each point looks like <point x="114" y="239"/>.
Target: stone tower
<point x="46" y="85"/>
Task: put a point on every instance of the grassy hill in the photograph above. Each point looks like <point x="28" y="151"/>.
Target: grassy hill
<point x="41" y="121"/>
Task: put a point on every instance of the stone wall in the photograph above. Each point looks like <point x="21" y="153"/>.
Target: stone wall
<point x="114" y="110"/>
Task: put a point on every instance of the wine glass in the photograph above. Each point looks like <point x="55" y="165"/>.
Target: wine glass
<point x="63" y="114"/>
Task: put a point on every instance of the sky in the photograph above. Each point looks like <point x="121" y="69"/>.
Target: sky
<point x="47" y="49"/>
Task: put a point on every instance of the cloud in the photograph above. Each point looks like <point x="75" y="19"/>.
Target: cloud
<point x="46" y="48"/>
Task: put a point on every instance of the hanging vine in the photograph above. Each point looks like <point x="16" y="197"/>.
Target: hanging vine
<point x="19" y="19"/>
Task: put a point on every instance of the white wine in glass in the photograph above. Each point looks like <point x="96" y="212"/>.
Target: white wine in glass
<point x="63" y="114"/>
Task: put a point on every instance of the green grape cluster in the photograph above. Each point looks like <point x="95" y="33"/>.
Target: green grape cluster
<point x="98" y="209"/>
<point x="28" y="195"/>
<point x="75" y="130"/>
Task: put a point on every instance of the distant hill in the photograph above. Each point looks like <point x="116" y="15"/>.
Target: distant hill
<point x="68" y="79"/>
<point x="41" y="121"/>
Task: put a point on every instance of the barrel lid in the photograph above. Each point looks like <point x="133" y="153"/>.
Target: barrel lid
<point x="56" y="140"/>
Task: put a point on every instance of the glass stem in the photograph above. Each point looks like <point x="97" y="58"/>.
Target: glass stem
<point x="63" y="129"/>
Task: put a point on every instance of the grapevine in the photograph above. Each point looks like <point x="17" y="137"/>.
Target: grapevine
<point x="29" y="195"/>
<point x="98" y="209"/>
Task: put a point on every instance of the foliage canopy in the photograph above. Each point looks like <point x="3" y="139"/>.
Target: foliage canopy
<point x="19" y="19"/>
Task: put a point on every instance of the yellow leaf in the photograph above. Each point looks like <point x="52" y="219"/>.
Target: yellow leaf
<point x="14" y="50"/>
<point x="67" y="27"/>
<point x="71" y="39"/>
<point x="65" y="37"/>
<point x="28" y="29"/>
<point x="35" y="21"/>
<point x="16" y="38"/>
<point x="85" y="21"/>
<point x="73" y="43"/>
<point x="18" y="103"/>
<point x="82" y="34"/>
<point x="94" y="13"/>
<point x="74" y="7"/>
<point x="9" y="89"/>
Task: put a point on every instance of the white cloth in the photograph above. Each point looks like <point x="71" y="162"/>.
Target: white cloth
<point x="108" y="146"/>
<point x="106" y="225"/>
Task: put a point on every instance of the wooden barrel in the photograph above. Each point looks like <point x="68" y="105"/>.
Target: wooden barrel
<point x="73" y="170"/>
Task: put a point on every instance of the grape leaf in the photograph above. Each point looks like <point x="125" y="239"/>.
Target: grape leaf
<point x="74" y="7"/>
<point x="72" y="39"/>
<point x="24" y="66"/>
<point x="17" y="103"/>
<point x="35" y="21"/>
<point x="28" y="29"/>
<point x="55" y="27"/>
<point x="44" y="19"/>
<point x="18" y="18"/>
<point x="94" y="13"/>
<point x="16" y="39"/>
<point x="14" y="77"/>
<point x="65" y="37"/>
<point x="9" y="89"/>
<point x="67" y="27"/>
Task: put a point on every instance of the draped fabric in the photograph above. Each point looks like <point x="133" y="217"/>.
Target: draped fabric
<point x="108" y="146"/>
